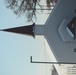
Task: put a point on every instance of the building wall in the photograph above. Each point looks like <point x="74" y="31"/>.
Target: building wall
<point x="63" y="52"/>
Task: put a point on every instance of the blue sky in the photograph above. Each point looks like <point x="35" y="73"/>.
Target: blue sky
<point x="15" y="50"/>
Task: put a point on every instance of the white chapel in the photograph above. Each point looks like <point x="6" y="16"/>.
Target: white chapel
<point x="59" y="32"/>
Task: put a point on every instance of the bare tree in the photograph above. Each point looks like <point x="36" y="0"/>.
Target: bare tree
<point x="27" y="7"/>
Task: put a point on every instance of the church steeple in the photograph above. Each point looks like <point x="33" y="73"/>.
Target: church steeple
<point x="25" y="30"/>
<point x="30" y="30"/>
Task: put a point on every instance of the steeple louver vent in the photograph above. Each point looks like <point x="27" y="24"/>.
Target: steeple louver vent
<point x="71" y="70"/>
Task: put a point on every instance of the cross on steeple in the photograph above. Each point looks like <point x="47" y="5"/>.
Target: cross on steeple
<point x="30" y="30"/>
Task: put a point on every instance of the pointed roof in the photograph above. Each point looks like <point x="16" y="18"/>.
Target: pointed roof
<point x="54" y="21"/>
<point x="25" y="30"/>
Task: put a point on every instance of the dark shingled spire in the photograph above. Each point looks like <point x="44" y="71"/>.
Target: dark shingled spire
<point x="26" y="30"/>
